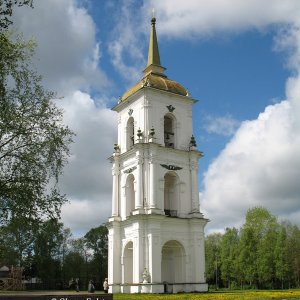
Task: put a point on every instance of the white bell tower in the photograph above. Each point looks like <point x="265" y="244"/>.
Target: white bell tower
<point x="156" y="231"/>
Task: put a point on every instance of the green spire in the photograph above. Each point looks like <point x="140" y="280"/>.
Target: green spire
<point x="153" y="65"/>
<point x="153" y="53"/>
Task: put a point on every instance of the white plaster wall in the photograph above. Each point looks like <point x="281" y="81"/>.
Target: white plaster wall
<point x="149" y="106"/>
<point x="147" y="154"/>
<point x="147" y="227"/>
<point x="182" y="114"/>
<point x="156" y="232"/>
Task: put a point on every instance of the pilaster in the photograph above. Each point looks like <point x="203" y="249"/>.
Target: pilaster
<point x="115" y="189"/>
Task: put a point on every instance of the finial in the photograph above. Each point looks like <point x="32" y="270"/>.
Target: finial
<point x="152" y="131"/>
<point x="116" y="148"/>
<point x="153" y="20"/>
<point x="139" y="133"/>
<point x="193" y="142"/>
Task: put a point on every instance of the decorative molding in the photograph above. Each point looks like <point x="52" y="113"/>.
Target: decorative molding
<point x="171" y="108"/>
<point x="130" y="111"/>
<point x="130" y="170"/>
<point x="171" y="167"/>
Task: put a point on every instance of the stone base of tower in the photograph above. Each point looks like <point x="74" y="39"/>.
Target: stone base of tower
<point x="156" y="254"/>
<point x="159" y="288"/>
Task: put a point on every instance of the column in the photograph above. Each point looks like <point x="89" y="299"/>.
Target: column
<point x="115" y="190"/>
<point x="194" y="186"/>
<point x="139" y="185"/>
<point x="138" y="256"/>
<point x="153" y="183"/>
<point x="114" y="254"/>
<point x="154" y="257"/>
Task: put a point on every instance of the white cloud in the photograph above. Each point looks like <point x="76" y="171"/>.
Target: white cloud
<point x="125" y="47"/>
<point x="84" y="214"/>
<point x="67" y="54"/>
<point x="87" y="178"/>
<point x="259" y="166"/>
<point x="198" y="18"/>
<point x="261" y="163"/>
<point x="225" y="125"/>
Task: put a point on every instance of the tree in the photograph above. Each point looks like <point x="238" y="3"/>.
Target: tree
<point x="265" y="228"/>
<point x="261" y="253"/>
<point x="258" y="237"/>
<point x="33" y="146"/>
<point x="228" y="252"/>
<point x="33" y="139"/>
<point x="75" y="267"/>
<point x="17" y="240"/>
<point x="79" y="246"/>
<point x="247" y="259"/>
<point x="266" y="254"/>
<point x="47" y="252"/>
<point x="281" y="254"/>
<point x="6" y="10"/>
<point x="66" y="237"/>
<point x="212" y="258"/>
<point x="96" y="240"/>
<point x="293" y="244"/>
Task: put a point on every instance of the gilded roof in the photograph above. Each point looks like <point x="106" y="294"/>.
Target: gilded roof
<point x="157" y="82"/>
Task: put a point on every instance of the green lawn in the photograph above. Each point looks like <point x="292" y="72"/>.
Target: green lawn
<point x="212" y="295"/>
<point x="221" y="295"/>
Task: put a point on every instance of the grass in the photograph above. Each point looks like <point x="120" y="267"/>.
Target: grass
<point x="212" y="295"/>
<point x="221" y="295"/>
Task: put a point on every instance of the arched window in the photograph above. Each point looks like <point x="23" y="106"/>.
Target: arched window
<point x="169" y="136"/>
<point x="171" y="194"/>
<point x="130" y="133"/>
<point x="130" y="195"/>
<point x="128" y="263"/>
<point x="173" y="262"/>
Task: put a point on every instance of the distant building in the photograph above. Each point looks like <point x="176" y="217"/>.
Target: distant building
<point x="4" y="272"/>
<point x="11" y="278"/>
<point x="156" y="231"/>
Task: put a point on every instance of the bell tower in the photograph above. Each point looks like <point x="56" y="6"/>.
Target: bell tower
<point x="156" y="231"/>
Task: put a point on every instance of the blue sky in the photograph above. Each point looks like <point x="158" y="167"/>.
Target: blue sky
<point x="238" y="58"/>
<point x="217" y="71"/>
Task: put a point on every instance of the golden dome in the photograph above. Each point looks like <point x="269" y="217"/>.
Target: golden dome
<point x="157" y="82"/>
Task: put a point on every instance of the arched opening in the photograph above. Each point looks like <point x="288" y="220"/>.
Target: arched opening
<point x="173" y="263"/>
<point x="169" y="128"/>
<point x="128" y="263"/>
<point x="130" y="194"/>
<point x="130" y="133"/>
<point x="171" y="194"/>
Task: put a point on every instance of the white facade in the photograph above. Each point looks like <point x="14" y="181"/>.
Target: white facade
<point x="156" y="231"/>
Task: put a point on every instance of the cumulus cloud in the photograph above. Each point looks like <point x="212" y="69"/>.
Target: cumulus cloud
<point x="126" y="50"/>
<point x="87" y="178"/>
<point x="83" y="214"/>
<point x="260" y="165"/>
<point x="200" y="18"/>
<point x="68" y="56"/>
<point x="225" y="125"/>
<point x="67" y="53"/>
